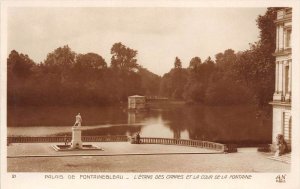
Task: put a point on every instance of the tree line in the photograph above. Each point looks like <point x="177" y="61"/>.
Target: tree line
<point x="233" y="77"/>
<point x="68" y="78"/>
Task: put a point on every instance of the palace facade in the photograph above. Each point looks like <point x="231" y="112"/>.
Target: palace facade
<point x="283" y="91"/>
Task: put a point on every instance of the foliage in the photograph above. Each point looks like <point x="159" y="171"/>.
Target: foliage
<point x="234" y="78"/>
<point x="83" y="79"/>
<point x="173" y="82"/>
<point x="177" y="63"/>
<point x="123" y="58"/>
<point x="19" y="64"/>
<point x="69" y="78"/>
<point x="197" y="83"/>
<point x="19" y="71"/>
<point x="150" y="82"/>
<point x="255" y="67"/>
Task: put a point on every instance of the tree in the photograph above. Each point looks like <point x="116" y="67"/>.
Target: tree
<point x="150" y="82"/>
<point x="267" y="30"/>
<point x="91" y="61"/>
<point x="198" y="78"/>
<point x="194" y="63"/>
<point x="124" y="76"/>
<point x="123" y="58"/>
<point x="256" y="66"/>
<point x="88" y="67"/>
<point x="20" y="71"/>
<point x="209" y="61"/>
<point x="19" y="64"/>
<point x="172" y="84"/>
<point x="226" y="60"/>
<point x="243" y="67"/>
<point x="226" y="92"/>
<point x="177" y="63"/>
<point x="67" y="78"/>
<point x="62" y="56"/>
<point x="60" y="62"/>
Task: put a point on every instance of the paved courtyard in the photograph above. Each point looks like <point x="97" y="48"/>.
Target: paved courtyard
<point x="126" y="157"/>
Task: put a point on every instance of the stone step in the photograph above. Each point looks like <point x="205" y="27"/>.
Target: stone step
<point x="284" y="158"/>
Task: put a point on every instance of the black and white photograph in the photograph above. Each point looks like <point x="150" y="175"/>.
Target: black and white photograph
<point x="160" y="91"/>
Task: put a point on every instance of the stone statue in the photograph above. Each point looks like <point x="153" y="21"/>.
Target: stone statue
<point x="281" y="147"/>
<point x="78" y="120"/>
<point x="76" y="133"/>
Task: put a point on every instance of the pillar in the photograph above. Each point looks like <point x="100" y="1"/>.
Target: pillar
<point x="288" y="77"/>
<point x="278" y="81"/>
<point x="283" y="79"/>
<point x="276" y="77"/>
<point x="76" y="138"/>
<point x="281" y="37"/>
<point x="277" y="38"/>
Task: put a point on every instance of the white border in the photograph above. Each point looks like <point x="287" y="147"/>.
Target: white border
<point x="260" y="180"/>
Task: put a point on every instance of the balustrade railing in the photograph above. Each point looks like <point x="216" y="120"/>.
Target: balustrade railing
<point x="123" y="138"/>
<point x="113" y="138"/>
<point x="192" y="143"/>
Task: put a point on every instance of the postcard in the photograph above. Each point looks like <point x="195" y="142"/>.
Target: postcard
<point x="143" y="94"/>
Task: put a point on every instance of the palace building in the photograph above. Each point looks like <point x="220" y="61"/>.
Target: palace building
<point x="283" y="92"/>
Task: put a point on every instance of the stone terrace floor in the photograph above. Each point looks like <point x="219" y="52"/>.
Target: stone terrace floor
<point x="126" y="157"/>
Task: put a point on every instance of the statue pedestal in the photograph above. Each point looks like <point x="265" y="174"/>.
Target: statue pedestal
<point x="76" y="138"/>
<point x="76" y="143"/>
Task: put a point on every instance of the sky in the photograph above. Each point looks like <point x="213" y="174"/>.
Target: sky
<point x="158" y="34"/>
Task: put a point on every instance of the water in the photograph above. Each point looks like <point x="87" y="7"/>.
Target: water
<point x="238" y="124"/>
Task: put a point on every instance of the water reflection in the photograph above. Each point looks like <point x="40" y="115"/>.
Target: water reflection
<point x="231" y="124"/>
<point x="115" y="130"/>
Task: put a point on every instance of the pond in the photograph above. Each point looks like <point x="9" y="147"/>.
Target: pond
<point x="230" y="124"/>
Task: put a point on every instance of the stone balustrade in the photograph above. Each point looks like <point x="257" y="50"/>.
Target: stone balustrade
<point x="122" y="138"/>
<point x="182" y="142"/>
<point x="114" y="138"/>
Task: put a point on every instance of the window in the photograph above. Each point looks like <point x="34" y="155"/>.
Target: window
<point x="288" y="38"/>
<point x="287" y="80"/>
